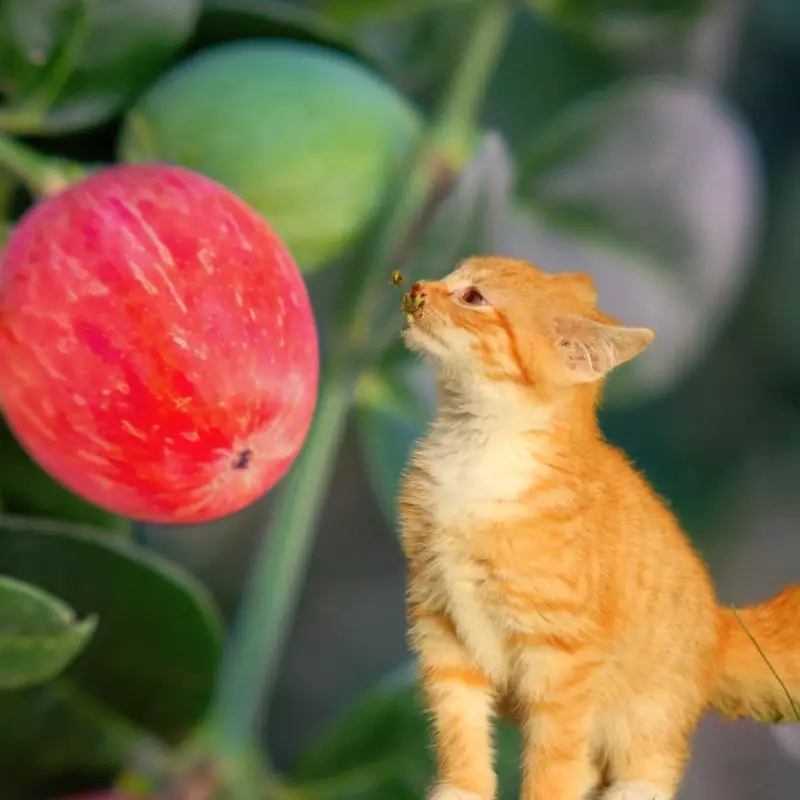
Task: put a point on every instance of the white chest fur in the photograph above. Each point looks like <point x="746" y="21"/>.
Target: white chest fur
<point x="477" y="468"/>
<point x="473" y="467"/>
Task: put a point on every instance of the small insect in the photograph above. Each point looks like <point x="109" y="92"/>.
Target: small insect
<point x="411" y="301"/>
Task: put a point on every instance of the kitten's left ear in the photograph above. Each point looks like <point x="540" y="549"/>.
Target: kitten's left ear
<point x="590" y="350"/>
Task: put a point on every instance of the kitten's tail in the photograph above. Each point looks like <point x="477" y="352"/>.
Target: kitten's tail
<point x="759" y="660"/>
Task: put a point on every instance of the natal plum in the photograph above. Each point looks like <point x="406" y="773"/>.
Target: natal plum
<point x="158" y="351"/>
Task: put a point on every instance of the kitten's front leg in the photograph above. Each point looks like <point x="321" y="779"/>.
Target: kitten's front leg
<point x="460" y="699"/>
<point x="556" y="690"/>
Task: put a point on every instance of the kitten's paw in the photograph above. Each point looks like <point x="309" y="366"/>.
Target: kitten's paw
<point x="454" y="793"/>
<point x="635" y="791"/>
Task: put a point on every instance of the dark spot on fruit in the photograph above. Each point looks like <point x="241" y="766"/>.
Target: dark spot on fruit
<point x="243" y="459"/>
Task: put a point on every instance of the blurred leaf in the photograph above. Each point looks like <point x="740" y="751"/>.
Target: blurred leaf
<point x="8" y="185"/>
<point x="391" y="413"/>
<point x="620" y="21"/>
<point x="39" y="635"/>
<point x="654" y="189"/>
<point x="151" y="664"/>
<point x="781" y="20"/>
<point x="71" y="64"/>
<point x="28" y="489"/>
<point x="226" y="20"/>
<point x="359" y="12"/>
<point x="518" y="105"/>
<point x="381" y="748"/>
<point x="470" y="215"/>
<point x="774" y="311"/>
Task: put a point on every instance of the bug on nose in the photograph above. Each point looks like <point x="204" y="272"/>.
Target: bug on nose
<point x="414" y="299"/>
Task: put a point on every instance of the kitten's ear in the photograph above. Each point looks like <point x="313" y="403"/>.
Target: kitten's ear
<point x="589" y="350"/>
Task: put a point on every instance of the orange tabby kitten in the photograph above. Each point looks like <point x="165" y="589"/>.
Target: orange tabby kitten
<point x="545" y="575"/>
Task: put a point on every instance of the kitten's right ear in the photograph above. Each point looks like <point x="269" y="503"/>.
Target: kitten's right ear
<point x="589" y="350"/>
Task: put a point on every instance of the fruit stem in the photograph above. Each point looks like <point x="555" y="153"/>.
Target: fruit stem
<point x="459" y="115"/>
<point x="43" y="176"/>
<point x="251" y="663"/>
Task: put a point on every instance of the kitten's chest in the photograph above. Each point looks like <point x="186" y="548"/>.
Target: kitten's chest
<point x="470" y="474"/>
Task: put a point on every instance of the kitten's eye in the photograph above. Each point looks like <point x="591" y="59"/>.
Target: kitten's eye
<point x="472" y="297"/>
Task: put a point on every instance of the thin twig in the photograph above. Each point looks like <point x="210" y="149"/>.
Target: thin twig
<point x="768" y="663"/>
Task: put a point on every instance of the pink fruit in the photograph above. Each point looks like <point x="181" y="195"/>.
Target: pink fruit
<point x="158" y="351"/>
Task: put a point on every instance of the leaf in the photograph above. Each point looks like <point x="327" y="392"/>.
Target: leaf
<point x="71" y="64"/>
<point x="620" y="21"/>
<point x="574" y="67"/>
<point x="654" y="189"/>
<point x="28" y="489"/>
<point x="381" y="748"/>
<point x="39" y="635"/>
<point x="780" y="19"/>
<point x="226" y="20"/>
<point x="360" y="12"/>
<point x="773" y="310"/>
<point x="392" y="411"/>
<point x="150" y="666"/>
<point x="470" y="215"/>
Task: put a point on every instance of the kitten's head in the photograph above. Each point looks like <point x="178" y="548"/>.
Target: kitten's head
<point x="501" y="319"/>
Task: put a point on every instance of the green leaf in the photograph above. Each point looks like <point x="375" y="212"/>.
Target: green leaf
<point x="27" y="489"/>
<point x="226" y="20"/>
<point x="70" y="64"/>
<point x="773" y="310"/>
<point x="39" y="635"/>
<point x="380" y="748"/>
<point x="471" y="214"/>
<point x="149" y="667"/>
<point x="655" y="190"/>
<point x="361" y="12"/>
<point x="574" y="67"/>
<point x="780" y="20"/>
<point x="620" y="21"/>
<point x="393" y="407"/>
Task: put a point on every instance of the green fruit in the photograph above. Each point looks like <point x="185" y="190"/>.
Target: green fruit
<point x="307" y="136"/>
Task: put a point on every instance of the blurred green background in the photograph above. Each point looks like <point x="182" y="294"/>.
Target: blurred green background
<point x="652" y="143"/>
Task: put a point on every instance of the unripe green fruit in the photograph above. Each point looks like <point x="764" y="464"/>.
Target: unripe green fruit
<point x="306" y="136"/>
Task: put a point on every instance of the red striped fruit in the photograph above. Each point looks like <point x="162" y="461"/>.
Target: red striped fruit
<point x="158" y="351"/>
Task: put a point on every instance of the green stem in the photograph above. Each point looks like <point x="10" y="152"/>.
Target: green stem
<point x="251" y="662"/>
<point x="43" y="176"/>
<point x="460" y="113"/>
<point x="20" y="120"/>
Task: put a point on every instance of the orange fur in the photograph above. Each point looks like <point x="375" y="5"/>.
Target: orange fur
<point x="545" y="577"/>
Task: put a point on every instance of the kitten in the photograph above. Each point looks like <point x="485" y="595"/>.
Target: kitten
<point x="544" y="574"/>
